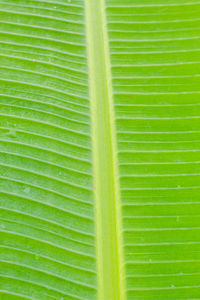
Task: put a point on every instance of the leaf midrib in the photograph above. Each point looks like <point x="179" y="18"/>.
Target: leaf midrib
<point x="110" y="266"/>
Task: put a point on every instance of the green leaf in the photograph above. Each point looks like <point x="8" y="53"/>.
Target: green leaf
<point x="99" y="149"/>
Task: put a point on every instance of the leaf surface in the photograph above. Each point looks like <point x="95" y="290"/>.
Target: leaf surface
<point x="99" y="149"/>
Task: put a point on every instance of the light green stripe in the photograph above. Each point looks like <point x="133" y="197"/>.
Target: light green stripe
<point x="106" y="182"/>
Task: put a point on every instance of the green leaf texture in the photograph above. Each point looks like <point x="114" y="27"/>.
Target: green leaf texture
<point x="99" y="149"/>
<point x="155" y="56"/>
<point x="47" y="220"/>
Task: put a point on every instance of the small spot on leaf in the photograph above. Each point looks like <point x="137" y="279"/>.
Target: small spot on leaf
<point x="27" y="190"/>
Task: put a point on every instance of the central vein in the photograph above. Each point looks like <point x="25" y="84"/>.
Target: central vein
<point x="106" y="182"/>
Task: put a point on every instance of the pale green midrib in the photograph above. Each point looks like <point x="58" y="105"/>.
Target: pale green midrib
<point x="110" y="266"/>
